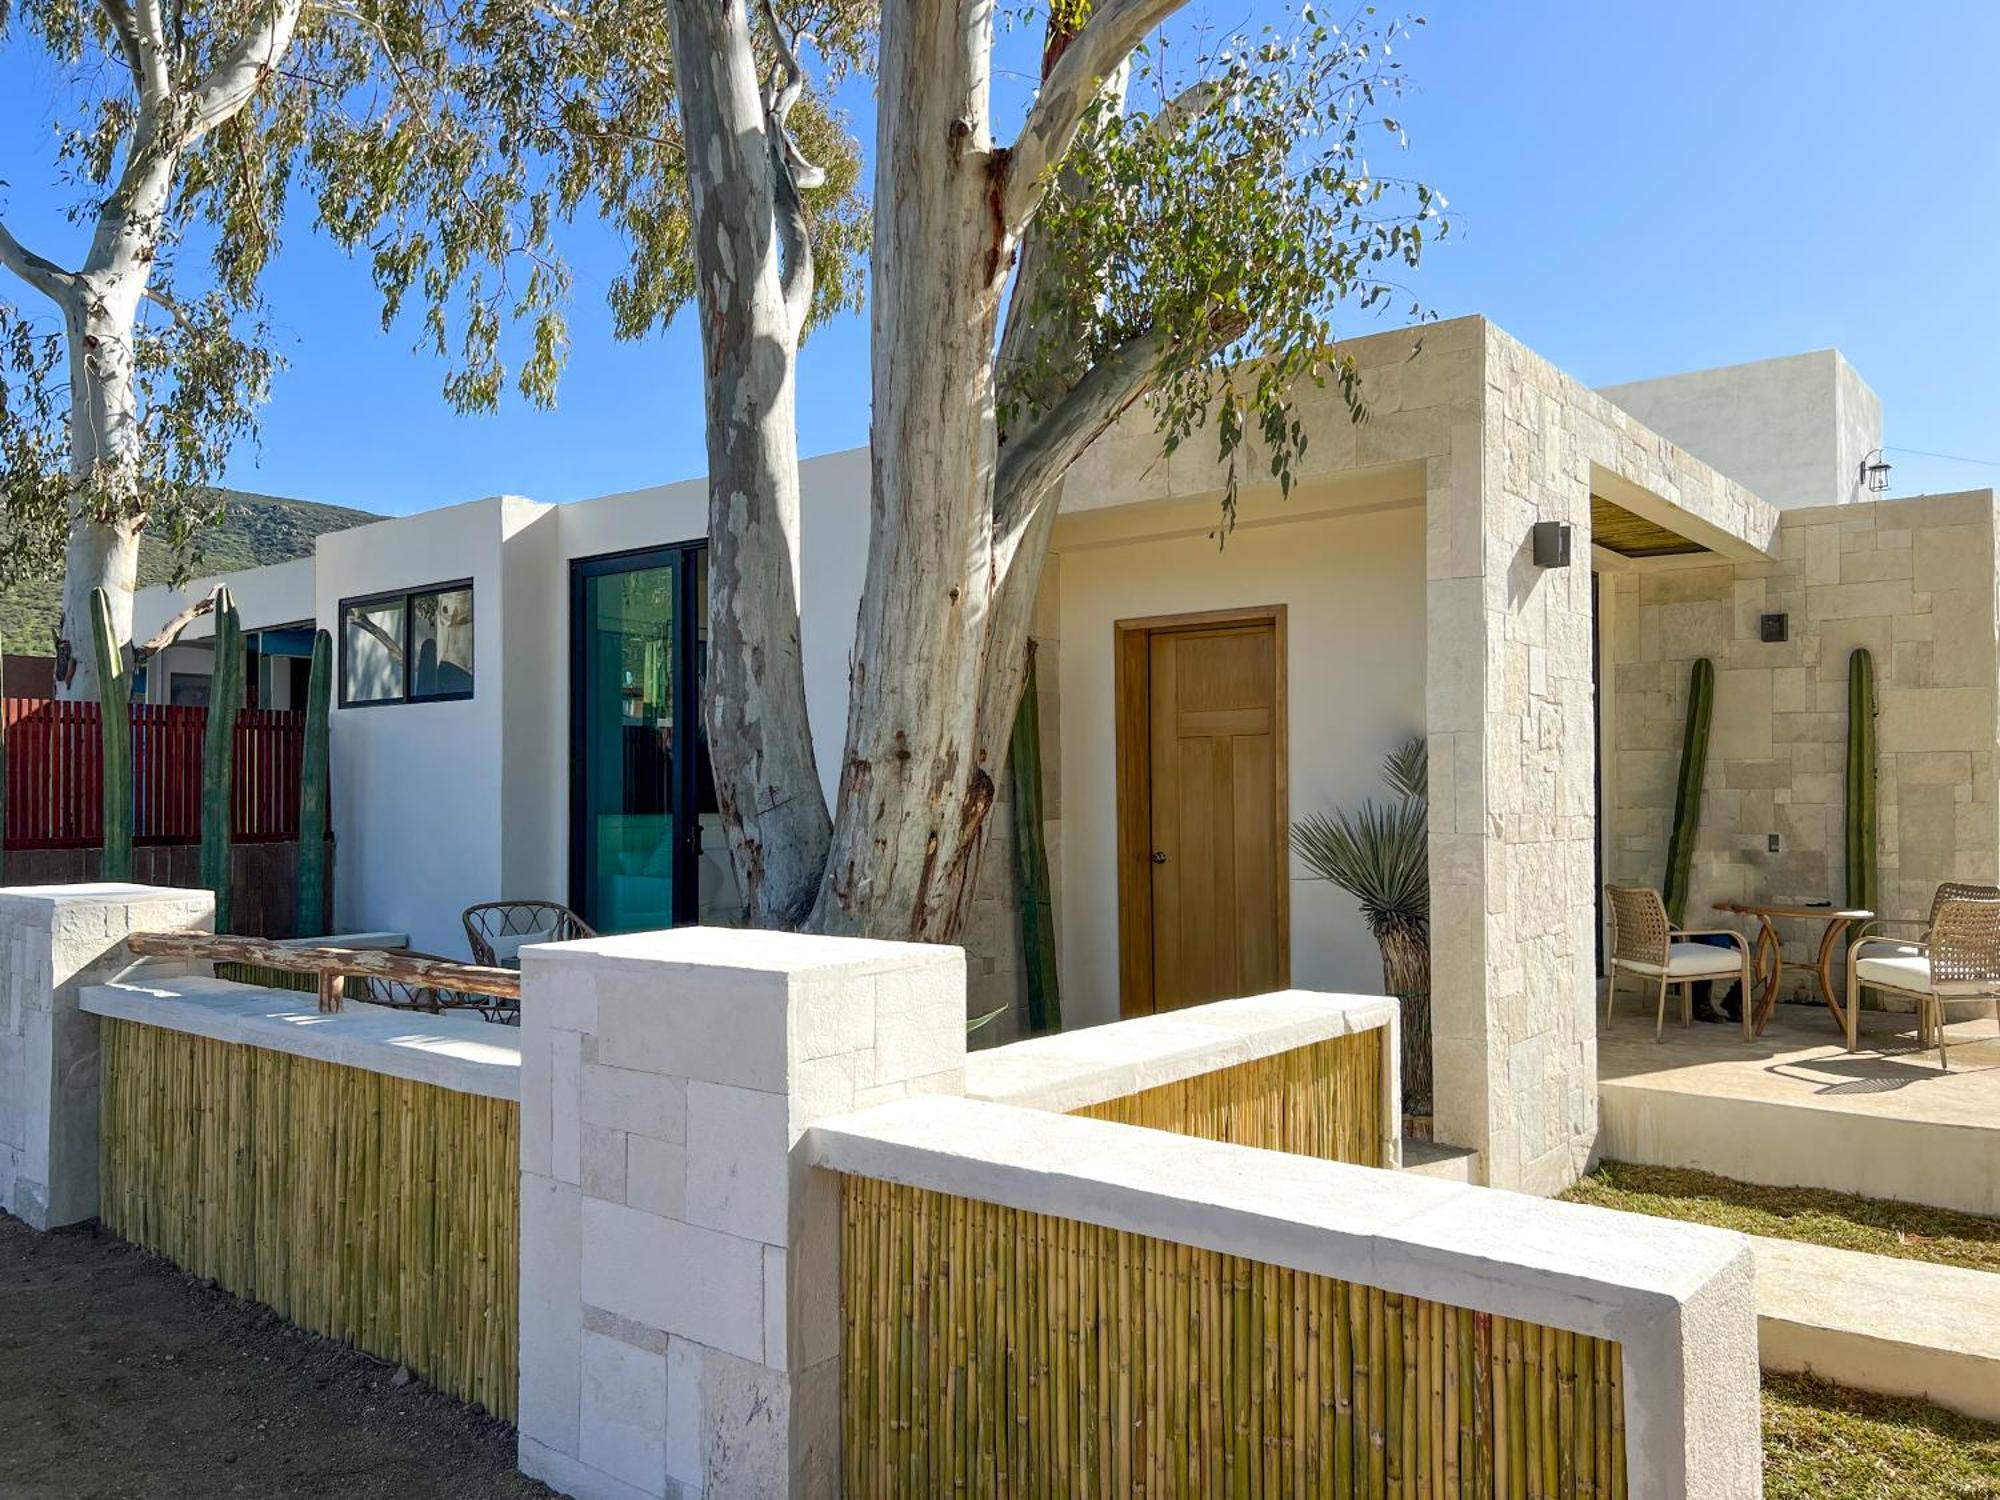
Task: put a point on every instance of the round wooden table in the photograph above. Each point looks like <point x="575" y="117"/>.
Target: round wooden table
<point x="1767" y="955"/>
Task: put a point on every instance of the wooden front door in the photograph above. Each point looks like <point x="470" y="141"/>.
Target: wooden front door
<point x="1203" y="809"/>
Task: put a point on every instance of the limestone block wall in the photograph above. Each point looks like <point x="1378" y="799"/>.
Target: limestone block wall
<point x="1510" y="710"/>
<point x="54" y="941"/>
<point x="1912" y="581"/>
<point x="680" y="1330"/>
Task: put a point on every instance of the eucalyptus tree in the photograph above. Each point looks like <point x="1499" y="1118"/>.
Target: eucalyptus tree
<point x="444" y="142"/>
<point x="151" y="407"/>
<point x="1187" y="252"/>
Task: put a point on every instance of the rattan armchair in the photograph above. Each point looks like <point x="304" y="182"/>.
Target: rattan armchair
<point x="497" y="931"/>
<point x="399" y="994"/>
<point x="1645" y="943"/>
<point x="1957" y="957"/>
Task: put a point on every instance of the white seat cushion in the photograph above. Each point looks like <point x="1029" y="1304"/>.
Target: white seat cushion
<point x="1694" y="961"/>
<point x="1907" y="970"/>
<point x="507" y="946"/>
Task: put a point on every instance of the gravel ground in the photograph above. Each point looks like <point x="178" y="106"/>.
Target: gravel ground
<point x="121" y="1378"/>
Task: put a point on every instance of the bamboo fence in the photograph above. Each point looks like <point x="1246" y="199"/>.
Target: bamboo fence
<point x="991" y="1352"/>
<point x="373" y="1209"/>
<point x="1324" y="1100"/>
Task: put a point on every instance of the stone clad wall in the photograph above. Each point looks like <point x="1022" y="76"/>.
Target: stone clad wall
<point x="1913" y="582"/>
<point x="54" y="941"/>
<point x="1511" y="717"/>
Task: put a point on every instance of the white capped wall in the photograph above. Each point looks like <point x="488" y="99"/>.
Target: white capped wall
<point x="1353" y="584"/>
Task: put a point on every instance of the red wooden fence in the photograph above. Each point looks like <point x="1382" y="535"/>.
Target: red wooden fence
<point x="55" y="774"/>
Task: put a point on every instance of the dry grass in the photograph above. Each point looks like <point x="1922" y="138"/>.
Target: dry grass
<point x="1816" y="1216"/>
<point x="1823" y="1440"/>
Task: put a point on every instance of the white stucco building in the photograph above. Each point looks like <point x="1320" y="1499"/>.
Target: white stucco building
<point x="1195" y="697"/>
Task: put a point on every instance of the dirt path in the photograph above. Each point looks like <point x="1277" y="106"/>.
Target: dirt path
<point x="123" y="1379"/>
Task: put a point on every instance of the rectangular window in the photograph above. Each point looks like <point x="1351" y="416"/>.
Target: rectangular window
<point x="414" y="646"/>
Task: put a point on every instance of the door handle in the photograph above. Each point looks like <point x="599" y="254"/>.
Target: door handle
<point x="1159" y="856"/>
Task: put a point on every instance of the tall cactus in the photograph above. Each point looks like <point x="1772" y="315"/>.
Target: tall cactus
<point x="225" y="696"/>
<point x="1687" y="795"/>
<point x="310" y="918"/>
<point x="114" y="712"/>
<point x="1862" y="884"/>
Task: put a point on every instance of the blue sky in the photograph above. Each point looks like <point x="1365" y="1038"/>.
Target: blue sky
<point x="1635" y="189"/>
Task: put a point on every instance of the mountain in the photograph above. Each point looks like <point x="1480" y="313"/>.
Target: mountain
<point x="255" y="529"/>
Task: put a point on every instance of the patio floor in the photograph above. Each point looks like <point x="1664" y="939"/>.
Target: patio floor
<point x="1794" y="1107"/>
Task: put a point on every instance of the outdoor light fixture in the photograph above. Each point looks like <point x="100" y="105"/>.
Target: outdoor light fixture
<point x="1771" y="628"/>
<point x="1551" y="544"/>
<point x="1875" y="472"/>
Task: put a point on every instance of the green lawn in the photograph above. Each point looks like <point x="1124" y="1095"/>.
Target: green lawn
<point x="1823" y="1441"/>
<point x="1843" y="1220"/>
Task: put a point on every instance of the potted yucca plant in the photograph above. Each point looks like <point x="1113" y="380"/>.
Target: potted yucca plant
<point x="1380" y="854"/>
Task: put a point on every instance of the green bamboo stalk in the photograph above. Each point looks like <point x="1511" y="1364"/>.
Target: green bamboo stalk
<point x="225" y="697"/>
<point x="310" y="919"/>
<point x="114" y="714"/>
<point x="1862" y="883"/>
<point x="1687" y="791"/>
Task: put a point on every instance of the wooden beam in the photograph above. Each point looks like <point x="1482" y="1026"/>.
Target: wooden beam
<point x="334" y="963"/>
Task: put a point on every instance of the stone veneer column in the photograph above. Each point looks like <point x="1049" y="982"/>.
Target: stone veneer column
<point x="1509" y="709"/>
<point x="680" y="1298"/>
<point x="54" y="940"/>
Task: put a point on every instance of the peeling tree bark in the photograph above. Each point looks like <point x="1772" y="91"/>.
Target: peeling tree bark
<point x="959" y="534"/>
<point x="760" y="741"/>
<point x="915" y="786"/>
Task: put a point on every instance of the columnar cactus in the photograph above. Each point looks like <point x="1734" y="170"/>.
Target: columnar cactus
<point x="114" y="711"/>
<point x="1862" y="885"/>
<point x="310" y="919"/>
<point x="1687" y="794"/>
<point x="225" y="696"/>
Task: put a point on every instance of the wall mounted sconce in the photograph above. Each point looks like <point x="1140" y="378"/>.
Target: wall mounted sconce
<point x="1772" y="628"/>
<point x="1551" y="544"/>
<point x="1875" y="472"/>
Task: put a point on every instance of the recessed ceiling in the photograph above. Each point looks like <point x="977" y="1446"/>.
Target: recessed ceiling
<point x="1617" y="529"/>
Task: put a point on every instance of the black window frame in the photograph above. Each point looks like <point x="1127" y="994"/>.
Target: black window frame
<point x="407" y="598"/>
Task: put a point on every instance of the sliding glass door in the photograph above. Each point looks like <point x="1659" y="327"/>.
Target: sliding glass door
<point x="646" y="849"/>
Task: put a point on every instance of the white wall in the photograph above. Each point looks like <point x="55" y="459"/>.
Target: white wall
<point x="1354" y="586"/>
<point x="534" y="746"/>
<point x="1794" y="430"/>
<point x="417" y="787"/>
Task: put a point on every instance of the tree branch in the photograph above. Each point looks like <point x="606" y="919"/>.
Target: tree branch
<point x="1196" y="100"/>
<point x="1031" y="463"/>
<point x="1106" y="40"/>
<point x="41" y="273"/>
<point x="791" y="174"/>
<point x="140" y="39"/>
<point x="171" y="631"/>
<point x="236" y="75"/>
<point x="794" y="238"/>
<point x="172" y="308"/>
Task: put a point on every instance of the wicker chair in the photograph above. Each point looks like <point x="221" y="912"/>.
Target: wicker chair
<point x="498" y="930"/>
<point x="1957" y="957"/>
<point x="396" y="994"/>
<point x="1645" y="943"/>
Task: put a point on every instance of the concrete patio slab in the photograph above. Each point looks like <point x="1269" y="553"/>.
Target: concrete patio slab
<point x="1900" y="1327"/>
<point x="1794" y="1108"/>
